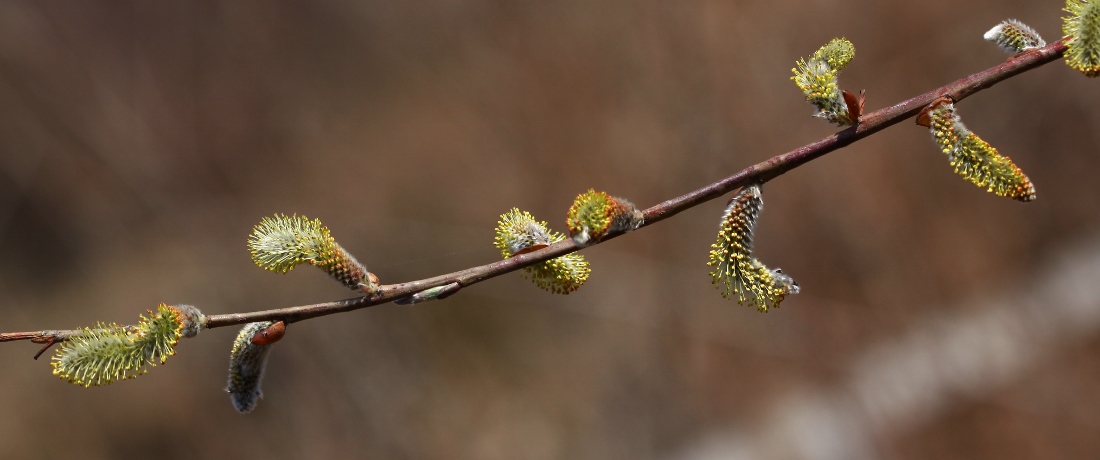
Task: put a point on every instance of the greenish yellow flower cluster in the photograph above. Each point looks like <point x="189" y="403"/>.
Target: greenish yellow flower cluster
<point x="816" y="77"/>
<point x="594" y="214"/>
<point x="518" y="232"/>
<point x="280" y="243"/>
<point x="734" y="270"/>
<point x="105" y="353"/>
<point x="1083" y="26"/>
<point x="973" y="158"/>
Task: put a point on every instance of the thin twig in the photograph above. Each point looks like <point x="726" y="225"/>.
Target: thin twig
<point x="49" y="343"/>
<point x="39" y="336"/>
<point x="869" y="124"/>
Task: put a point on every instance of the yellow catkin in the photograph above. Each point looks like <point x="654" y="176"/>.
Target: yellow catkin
<point x="519" y="231"/>
<point x="974" y="159"/>
<point x="106" y="353"/>
<point x="816" y="77"/>
<point x="595" y="214"/>
<point x="1083" y="26"/>
<point x="281" y="243"/>
<point x="734" y="270"/>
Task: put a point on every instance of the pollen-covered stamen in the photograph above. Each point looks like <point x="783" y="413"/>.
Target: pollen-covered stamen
<point x="1083" y="28"/>
<point x="106" y="353"/>
<point x="816" y="77"/>
<point x="518" y="232"/>
<point x="280" y="243"/>
<point x="973" y="158"/>
<point x="1013" y="37"/>
<point x="734" y="270"/>
<point x="562" y="275"/>
<point x="594" y="214"/>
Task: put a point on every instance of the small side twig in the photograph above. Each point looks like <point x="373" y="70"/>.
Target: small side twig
<point x="49" y="343"/>
<point x="49" y="338"/>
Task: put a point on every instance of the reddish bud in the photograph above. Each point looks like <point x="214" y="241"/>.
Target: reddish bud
<point x="854" y="103"/>
<point x="924" y="118"/>
<point x="270" y="335"/>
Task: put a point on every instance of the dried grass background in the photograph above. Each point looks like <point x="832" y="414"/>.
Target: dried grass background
<point x="139" y="143"/>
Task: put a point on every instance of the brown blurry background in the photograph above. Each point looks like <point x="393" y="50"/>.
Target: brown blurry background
<point x="139" y="143"/>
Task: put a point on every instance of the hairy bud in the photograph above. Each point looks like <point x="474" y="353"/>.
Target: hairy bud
<point x="1013" y="37"/>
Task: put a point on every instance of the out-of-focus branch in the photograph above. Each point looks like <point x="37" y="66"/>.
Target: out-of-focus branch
<point x="869" y="124"/>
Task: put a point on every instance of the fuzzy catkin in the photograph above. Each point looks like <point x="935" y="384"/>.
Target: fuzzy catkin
<point x="518" y="231"/>
<point x="281" y="243"/>
<point x="1083" y="26"/>
<point x="106" y="353"/>
<point x="973" y="158"/>
<point x="595" y="214"/>
<point x="247" y="363"/>
<point x="735" y="271"/>
<point x="816" y="77"/>
<point x="1013" y="37"/>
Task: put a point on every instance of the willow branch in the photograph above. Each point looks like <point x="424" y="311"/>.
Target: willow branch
<point x="869" y="124"/>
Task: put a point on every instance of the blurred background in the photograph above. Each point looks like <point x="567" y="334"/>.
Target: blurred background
<point x="140" y="142"/>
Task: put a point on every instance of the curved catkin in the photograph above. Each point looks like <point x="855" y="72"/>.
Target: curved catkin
<point x="246" y="367"/>
<point x="735" y="271"/>
<point x="106" y="353"/>
<point x="973" y="158"/>
<point x="281" y="243"/>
